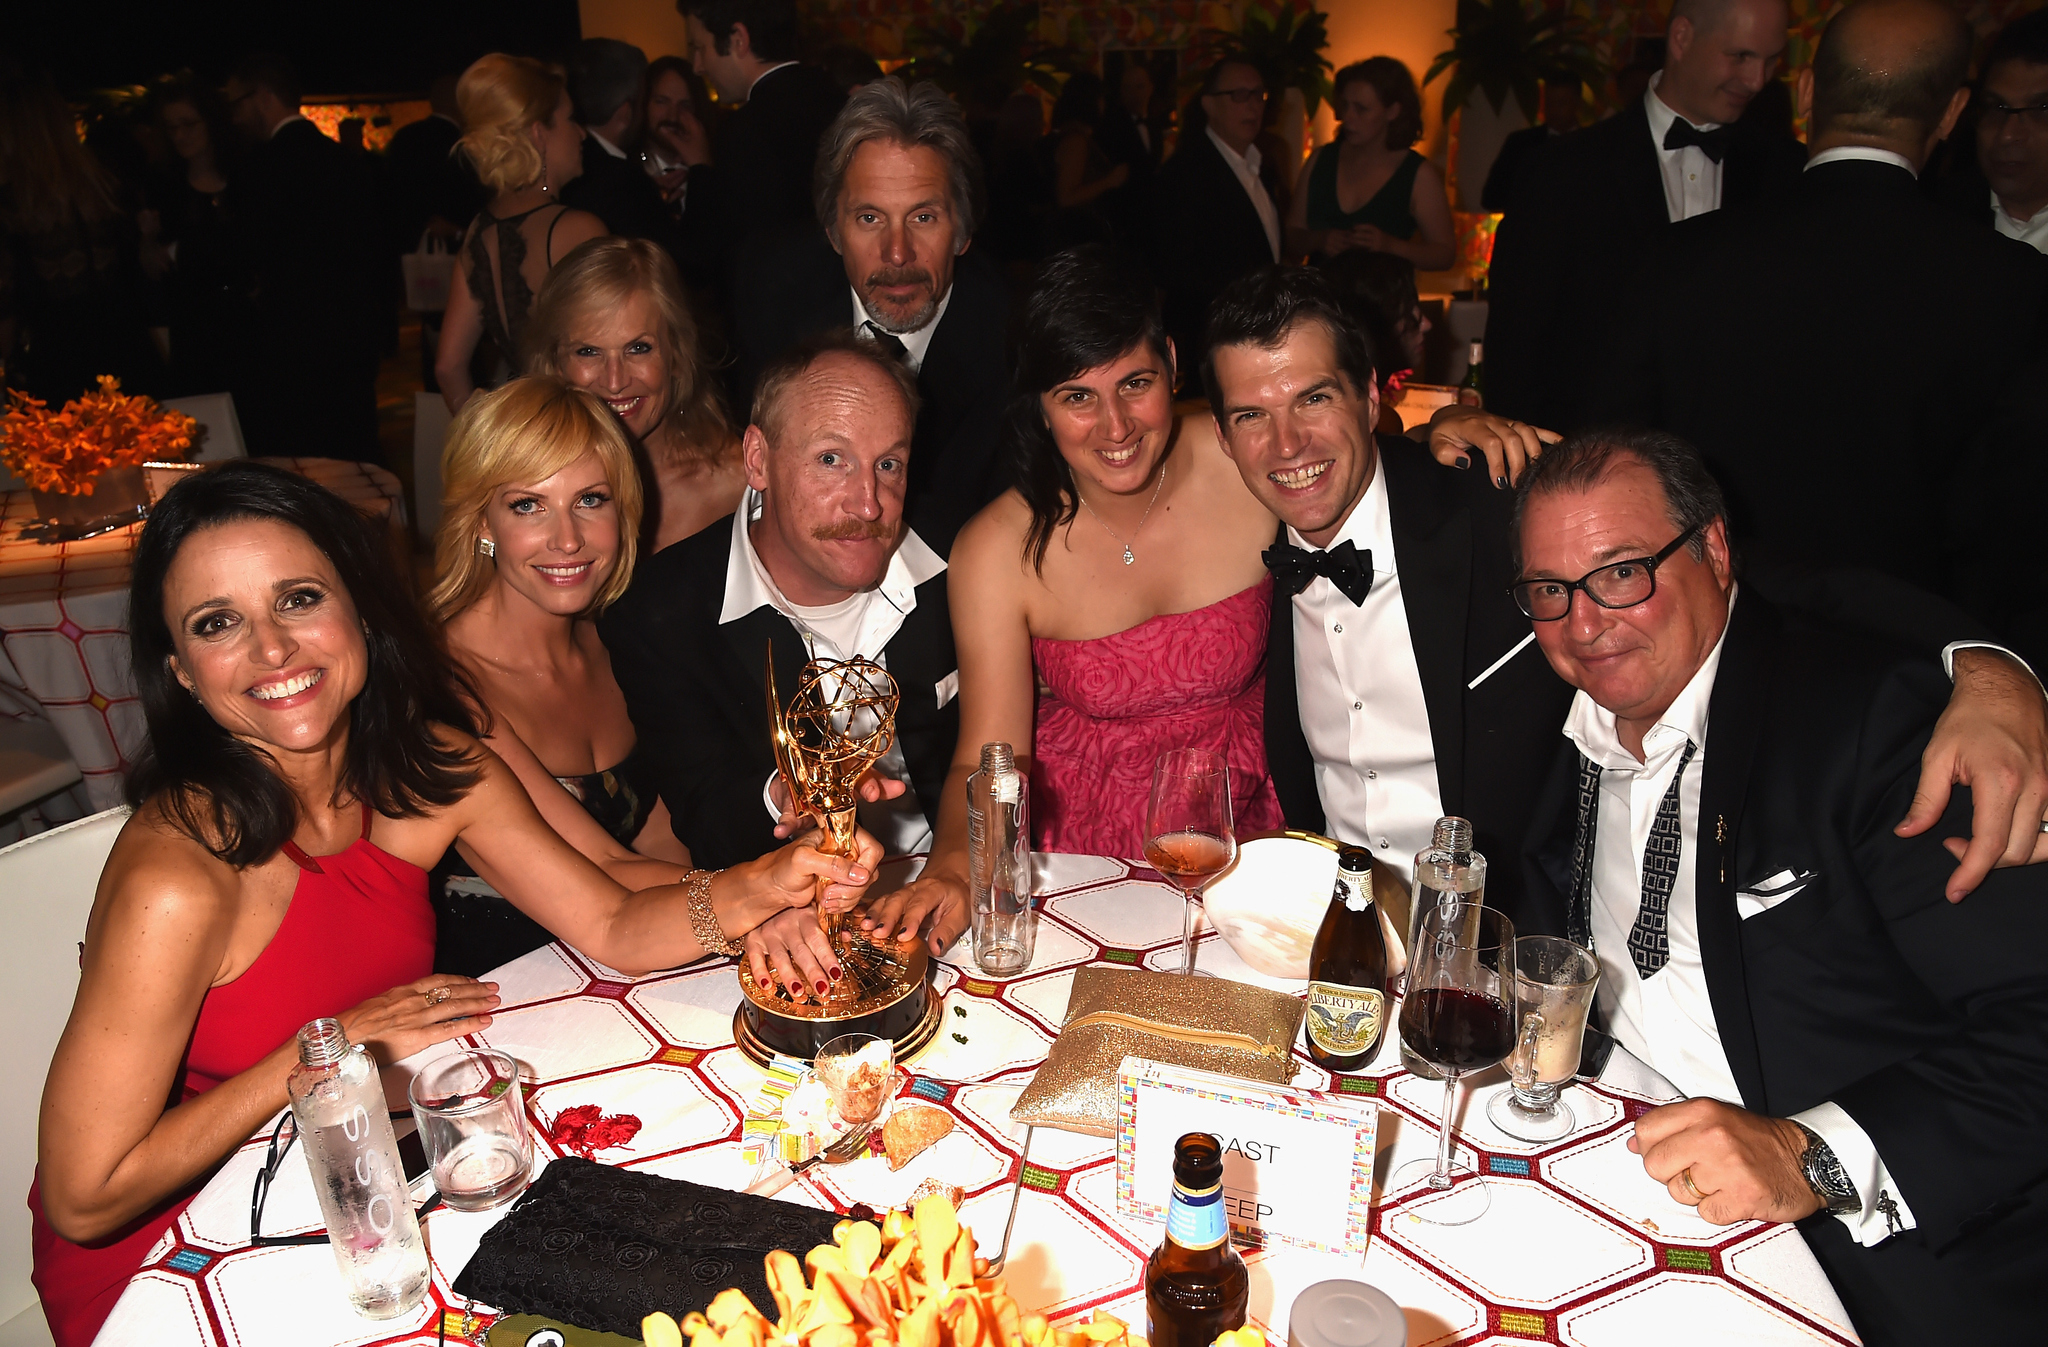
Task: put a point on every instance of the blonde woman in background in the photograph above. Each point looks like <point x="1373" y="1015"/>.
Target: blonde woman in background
<point x="613" y="319"/>
<point x="540" y="518"/>
<point x="521" y="136"/>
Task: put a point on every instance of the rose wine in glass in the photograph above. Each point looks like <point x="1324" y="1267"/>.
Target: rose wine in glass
<point x="1458" y="1016"/>
<point x="1191" y="836"/>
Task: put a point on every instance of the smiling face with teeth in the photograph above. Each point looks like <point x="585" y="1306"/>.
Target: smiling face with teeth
<point x="266" y="635"/>
<point x="1113" y="423"/>
<point x="1298" y="428"/>
<point x="557" y="539"/>
<point x="616" y="352"/>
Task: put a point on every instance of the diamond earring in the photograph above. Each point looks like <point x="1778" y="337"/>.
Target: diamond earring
<point x="487" y="547"/>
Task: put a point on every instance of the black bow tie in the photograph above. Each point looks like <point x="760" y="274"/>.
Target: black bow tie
<point x="1713" y="144"/>
<point x="1344" y="566"/>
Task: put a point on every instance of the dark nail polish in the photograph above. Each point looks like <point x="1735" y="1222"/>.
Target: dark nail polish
<point x="1464" y="461"/>
<point x="1501" y="482"/>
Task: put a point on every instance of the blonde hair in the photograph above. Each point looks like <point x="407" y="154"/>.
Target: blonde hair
<point x="527" y="431"/>
<point x="601" y="275"/>
<point x="501" y="99"/>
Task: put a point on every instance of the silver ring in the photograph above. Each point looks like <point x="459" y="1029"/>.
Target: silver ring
<point x="2044" y="825"/>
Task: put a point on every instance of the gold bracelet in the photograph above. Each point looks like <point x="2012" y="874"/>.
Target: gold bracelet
<point x="703" y="921"/>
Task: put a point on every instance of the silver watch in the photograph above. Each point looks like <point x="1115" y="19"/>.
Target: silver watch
<point x="1824" y="1174"/>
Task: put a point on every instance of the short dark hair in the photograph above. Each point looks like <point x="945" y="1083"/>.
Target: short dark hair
<point x="273" y="71"/>
<point x="1080" y="100"/>
<point x="771" y="25"/>
<point x="1692" y="498"/>
<point x="849" y="66"/>
<point x="1378" y="291"/>
<point x="1850" y="96"/>
<point x="1394" y="83"/>
<point x="1088" y="306"/>
<point x="2024" y="39"/>
<point x="777" y="376"/>
<point x="1262" y="307"/>
<point x="227" y="795"/>
<point x="605" y="74"/>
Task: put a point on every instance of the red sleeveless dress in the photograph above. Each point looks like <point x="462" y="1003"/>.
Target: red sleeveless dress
<point x="358" y="925"/>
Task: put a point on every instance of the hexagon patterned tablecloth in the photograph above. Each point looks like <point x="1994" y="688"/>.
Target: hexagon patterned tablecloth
<point x="1578" y="1247"/>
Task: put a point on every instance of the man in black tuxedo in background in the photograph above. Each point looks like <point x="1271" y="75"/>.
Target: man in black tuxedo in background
<point x="754" y="182"/>
<point x="431" y="190"/>
<point x="1591" y="204"/>
<point x="1129" y="136"/>
<point x="303" y="215"/>
<point x="1214" y="219"/>
<point x="899" y="194"/>
<point x="818" y="561"/>
<point x="1560" y="118"/>
<point x="1840" y="430"/>
<point x="1856" y="1054"/>
<point x="608" y="85"/>
<point x="1400" y="680"/>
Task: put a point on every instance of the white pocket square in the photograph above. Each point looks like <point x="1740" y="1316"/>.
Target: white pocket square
<point x="948" y="688"/>
<point x="1763" y="896"/>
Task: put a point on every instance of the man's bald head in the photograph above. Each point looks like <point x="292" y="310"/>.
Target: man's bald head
<point x="1888" y="71"/>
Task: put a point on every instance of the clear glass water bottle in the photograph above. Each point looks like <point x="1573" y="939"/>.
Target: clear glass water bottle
<point x="1448" y="866"/>
<point x="345" y="1131"/>
<point x="1004" y="922"/>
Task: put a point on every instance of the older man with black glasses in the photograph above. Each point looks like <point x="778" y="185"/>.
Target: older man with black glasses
<point x="1858" y="1054"/>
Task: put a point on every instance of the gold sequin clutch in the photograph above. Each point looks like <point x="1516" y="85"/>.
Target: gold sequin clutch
<point x="1113" y="1013"/>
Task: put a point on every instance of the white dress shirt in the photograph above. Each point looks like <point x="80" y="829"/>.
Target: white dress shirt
<point x="779" y="65"/>
<point x="1869" y="153"/>
<point x="1667" y="1019"/>
<point x="1246" y="167"/>
<point x="605" y="145"/>
<point x="1692" y="182"/>
<point x="2032" y="231"/>
<point x="859" y="626"/>
<point x="915" y="344"/>
<point x="1360" y="694"/>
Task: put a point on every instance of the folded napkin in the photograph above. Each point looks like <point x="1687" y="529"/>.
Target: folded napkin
<point x="602" y="1248"/>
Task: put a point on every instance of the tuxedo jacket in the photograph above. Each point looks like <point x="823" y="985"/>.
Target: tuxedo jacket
<point x="1859" y="983"/>
<point x="697" y="693"/>
<point x="1208" y="234"/>
<point x="619" y="192"/>
<point x="1836" y="353"/>
<point x="799" y="289"/>
<point x="759" y="179"/>
<point x="1585" y="212"/>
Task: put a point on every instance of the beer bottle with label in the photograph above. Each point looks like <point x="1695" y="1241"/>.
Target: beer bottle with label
<point x="1472" y="389"/>
<point x="1195" y="1283"/>
<point x="1347" y="969"/>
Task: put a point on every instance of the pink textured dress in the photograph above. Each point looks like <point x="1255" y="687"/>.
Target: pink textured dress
<point x="1113" y="704"/>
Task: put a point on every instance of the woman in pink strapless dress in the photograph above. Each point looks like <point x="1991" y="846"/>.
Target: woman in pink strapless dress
<point x="1109" y="707"/>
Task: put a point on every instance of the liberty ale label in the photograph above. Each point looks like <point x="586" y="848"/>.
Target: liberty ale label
<point x="1344" y="1021"/>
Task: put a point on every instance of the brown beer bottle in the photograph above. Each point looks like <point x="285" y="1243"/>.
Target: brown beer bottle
<point x="1195" y="1284"/>
<point x="1347" y="970"/>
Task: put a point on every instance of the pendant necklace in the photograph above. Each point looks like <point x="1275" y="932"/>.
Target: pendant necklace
<point x="1130" y="557"/>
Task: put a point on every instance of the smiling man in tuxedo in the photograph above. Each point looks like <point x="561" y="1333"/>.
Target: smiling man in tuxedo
<point x="1401" y="680"/>
<point x="1857" y="1054"/>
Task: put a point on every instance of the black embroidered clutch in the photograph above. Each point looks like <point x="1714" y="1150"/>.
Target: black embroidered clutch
<point x="603" y="1248"/>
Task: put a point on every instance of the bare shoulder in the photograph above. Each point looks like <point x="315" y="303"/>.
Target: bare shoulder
<point x="991" y="545"/>
<point x="159" y="875"/>
<point x="576" y="226"/>
<point x="1427" y="173"/>
<point x="1217" y="472"/>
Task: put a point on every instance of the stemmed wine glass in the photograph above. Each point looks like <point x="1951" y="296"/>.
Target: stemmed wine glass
<point x="1190" y="835"/>
<point x="1458" y="1015"/>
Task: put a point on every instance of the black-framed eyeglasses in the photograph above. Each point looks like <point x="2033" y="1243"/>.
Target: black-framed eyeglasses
<point x="1620" y="584"/>
<point x="281" y="1138"/>
<point x="1239" y="96"/>
<point x="2034" y="115"/>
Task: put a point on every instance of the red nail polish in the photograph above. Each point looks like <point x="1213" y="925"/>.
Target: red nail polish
<point x="821" y="989"/>
<point x="835" y="975"/>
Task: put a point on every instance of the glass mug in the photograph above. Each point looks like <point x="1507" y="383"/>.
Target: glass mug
<point x="1554" y="984"/>
<point x="473" y="1123"/>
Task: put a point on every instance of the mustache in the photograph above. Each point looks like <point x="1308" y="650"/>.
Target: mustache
<point x="877" y="529"/>
<point x="898" y="276"/>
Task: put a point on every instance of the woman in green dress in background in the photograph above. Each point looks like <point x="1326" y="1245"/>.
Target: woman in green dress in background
<point x="1367" y="188"/>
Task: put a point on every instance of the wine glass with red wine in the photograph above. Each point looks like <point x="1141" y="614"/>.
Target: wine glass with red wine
<point x="1189" y="832"/>
<point x="1458" y="1015"/>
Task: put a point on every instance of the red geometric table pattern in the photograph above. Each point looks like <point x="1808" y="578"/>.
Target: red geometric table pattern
<point x="1579" y="1245"/>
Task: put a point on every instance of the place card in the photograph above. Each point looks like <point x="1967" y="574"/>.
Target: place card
<point x="1297" y="1164"/>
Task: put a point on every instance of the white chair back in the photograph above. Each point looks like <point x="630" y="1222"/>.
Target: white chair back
<point x="33" y="762"/>
<point x="47" y="883"/>
<point x="430" y="421"/>
<point x="216" y="412"/>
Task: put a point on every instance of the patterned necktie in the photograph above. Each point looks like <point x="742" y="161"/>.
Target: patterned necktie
<point x="1649" y="942"/>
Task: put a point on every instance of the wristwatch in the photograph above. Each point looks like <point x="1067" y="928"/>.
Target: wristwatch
<point x="1824" y="1174"/>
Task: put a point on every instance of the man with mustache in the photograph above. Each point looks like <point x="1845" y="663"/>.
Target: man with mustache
<point x="898" y="192"/>
<point x="819" y="563"/>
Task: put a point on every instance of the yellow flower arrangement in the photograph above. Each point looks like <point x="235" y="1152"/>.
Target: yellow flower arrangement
<point x="62" y="452"/>
<point x="911" y="1282"/>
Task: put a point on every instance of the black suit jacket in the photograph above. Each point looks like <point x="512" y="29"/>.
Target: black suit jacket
<point x="799" y="289"/>
<point x="619" y="192"/>
<point x="1835" y="352"/>
<point x="1510" y="163"/>
<point x="1585" y="212"/>
<point x="1924" y="1020"/>
<point x="1493" y="742"/>
<point x="697" y="692"/>
<point x="427" y="178"/>
<point x="759" y="180"/>
<point x="1208" y="235"/>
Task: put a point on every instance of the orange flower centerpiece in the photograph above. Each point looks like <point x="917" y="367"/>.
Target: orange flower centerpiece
<point x="95" y="447"/>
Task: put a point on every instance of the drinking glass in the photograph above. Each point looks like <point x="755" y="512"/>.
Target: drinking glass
<point x="473" y="1124"/>
<point x="1191" y="837"/>
<point x="857" y="1071"/>
<point x="1458" y="1016"/>
<point x="1554" y="982"/>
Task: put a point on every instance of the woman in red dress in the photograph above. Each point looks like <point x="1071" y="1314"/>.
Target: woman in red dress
<point x="308" y="759"/>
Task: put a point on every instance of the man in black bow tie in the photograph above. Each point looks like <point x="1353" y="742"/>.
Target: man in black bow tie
<point x="1402" y="682"/>
<point x="1590" y="204"/>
